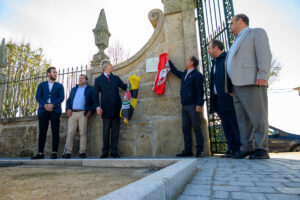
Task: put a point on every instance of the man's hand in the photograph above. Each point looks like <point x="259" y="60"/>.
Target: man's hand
<point x="231" y="94"/>
<point x="69" y="113"/>
<point x="88" y="114"/>
<point x="198" y="109"/>
<point x="99" y="111"/>
<point x="48" y="107"/>
<point x="261" y="82"/>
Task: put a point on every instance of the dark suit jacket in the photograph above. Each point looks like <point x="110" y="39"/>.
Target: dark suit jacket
<point x="90" y="99"/>
<point x="191" y="91"/>
<point x="222" y="101"/>
<point x="110" y="98"/>
<point x="56" y="96"/>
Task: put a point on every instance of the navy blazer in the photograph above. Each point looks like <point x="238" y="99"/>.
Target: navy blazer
<point x="90" y="99"/>
<point x="191" y="91"/>
<point x="56" y="96"/>
<point x="110" y="98"/>
<point x="221" y="102"/>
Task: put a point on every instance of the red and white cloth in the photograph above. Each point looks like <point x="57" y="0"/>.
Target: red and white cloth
<point x="161" y="77"/>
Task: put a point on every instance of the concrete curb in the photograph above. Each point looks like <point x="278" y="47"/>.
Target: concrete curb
<point x="165" y="184"/>
<point x="118" y="163"/>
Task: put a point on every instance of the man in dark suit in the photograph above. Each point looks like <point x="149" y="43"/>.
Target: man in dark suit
<point x="109" y="108"/>
<point x="221" y="102"/>
<point x="80" y="105"/>
<point x="191" y="93"/>
<point x="50" y="95"/>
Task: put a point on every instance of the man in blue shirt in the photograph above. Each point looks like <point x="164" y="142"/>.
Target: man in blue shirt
<point x="50" y="95"/>
<point x="80" y="105"/>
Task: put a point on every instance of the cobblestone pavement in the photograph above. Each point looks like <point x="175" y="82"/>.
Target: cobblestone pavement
<point x="277" y="178"/>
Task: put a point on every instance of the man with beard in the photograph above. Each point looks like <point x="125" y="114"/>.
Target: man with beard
<point x="49" y="95"/>
<point x="109" y="108"/>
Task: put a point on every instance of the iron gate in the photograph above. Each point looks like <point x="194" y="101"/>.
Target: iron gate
<point x="213" y="18"/>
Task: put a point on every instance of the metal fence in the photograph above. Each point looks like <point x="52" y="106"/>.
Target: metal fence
<point x="18" y="98"/>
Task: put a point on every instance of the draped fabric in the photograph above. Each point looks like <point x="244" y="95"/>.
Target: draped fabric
<point x="130" y="98"/>
<point x="163" y="69"/>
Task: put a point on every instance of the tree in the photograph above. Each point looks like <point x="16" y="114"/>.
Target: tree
<point x="25" y="70"/>
<point x="275" y="70"/>
<point x="117" y="53"/>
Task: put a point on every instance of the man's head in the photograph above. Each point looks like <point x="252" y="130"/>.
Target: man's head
<point x="215" y="48"/>
<point x="83" y="79"/>
<point x="238" y="23"/>
<point x="106" y="66"/>
<point x="52" y="73"/>
<point x="191" y="62"/>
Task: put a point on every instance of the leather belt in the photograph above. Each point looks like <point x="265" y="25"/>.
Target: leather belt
<point x="77" y="110"/>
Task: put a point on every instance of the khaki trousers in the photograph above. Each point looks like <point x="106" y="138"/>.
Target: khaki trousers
<point x="79" y="119"/>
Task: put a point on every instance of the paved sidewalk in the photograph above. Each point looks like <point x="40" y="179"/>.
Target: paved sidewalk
<point x="221" y="178"/>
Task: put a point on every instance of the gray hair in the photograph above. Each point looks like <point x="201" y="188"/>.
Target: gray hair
<point x="104" y="64"/>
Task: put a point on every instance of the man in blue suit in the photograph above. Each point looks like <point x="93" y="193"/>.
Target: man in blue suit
<point x="50" y="95"/>
<point x="221" y="102"/>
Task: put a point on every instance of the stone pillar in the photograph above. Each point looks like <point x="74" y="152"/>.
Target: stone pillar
<point x="3" y="64"/>
<point x="181" y="43"/>
<point x="102" y="35"/>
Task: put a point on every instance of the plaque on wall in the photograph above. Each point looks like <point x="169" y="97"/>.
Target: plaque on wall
<point x="151" y="64"/>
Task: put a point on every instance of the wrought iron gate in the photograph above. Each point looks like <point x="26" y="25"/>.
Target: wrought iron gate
<point x="213" y="18"/>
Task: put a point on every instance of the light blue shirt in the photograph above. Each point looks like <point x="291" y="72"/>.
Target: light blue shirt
<point x="79" y="99"/>
<point x="233" y="49"/>
<point x="50" y="88"/>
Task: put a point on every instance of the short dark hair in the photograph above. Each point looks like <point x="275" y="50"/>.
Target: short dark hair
<point x="49" y="69"/>
<point x="86" y="78"/>
<point x="217" y="43"/>
<point x="195" y="61"/>
<point x="244" y="18"/>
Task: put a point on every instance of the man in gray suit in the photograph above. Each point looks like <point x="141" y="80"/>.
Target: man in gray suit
<point x="248" y="64"/>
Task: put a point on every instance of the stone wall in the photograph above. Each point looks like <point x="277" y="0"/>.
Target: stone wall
<point x="155" y="129"/>
<point x="19" y="137"/>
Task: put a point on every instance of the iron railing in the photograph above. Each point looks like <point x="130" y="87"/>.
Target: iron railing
<point x="18" y="99"/>
<point x="213" y="18"/>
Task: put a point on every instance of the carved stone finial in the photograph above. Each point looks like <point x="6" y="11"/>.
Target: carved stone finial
<point x="3" y="60"/>
<point x="101" y="34"/>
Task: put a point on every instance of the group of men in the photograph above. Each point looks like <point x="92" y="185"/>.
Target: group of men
<point x="82" y="102"/>
<point x="238" y="86"/>
<point x="238" y="92"/>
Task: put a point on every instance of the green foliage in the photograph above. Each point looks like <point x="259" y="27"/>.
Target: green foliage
<point x="26" y="69"/>
<point x="275" y="70"/>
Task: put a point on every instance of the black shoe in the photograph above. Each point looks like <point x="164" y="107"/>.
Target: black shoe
<point x="104" y="155"/>
<point x="184" y="154"/>
<point x="82" y="155"/>
<point x="241" y="154"/>
<point x="115" y="155"/>
<point x="38" y="156"/>
<point x="200" y="154"/>
<point x="53" y="156"/>
<point x="67" y="156"/>
<point x="260" y="154"/>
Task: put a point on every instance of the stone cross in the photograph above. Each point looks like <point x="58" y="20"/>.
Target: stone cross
<point x="101" y="34"/>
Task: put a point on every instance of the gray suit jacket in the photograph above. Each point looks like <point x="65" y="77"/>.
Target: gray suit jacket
<point x="251" y="60"/>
